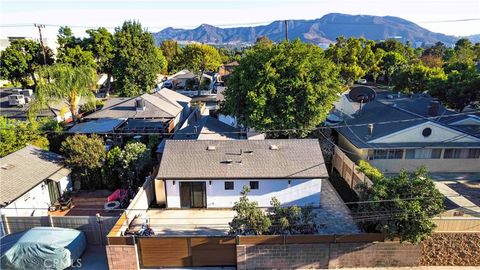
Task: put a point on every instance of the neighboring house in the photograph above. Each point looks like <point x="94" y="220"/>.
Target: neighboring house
<point x="226" y="70"/>
<point x="162" y="112"/>
<point x="212" y="173"/>
<point x="32" y="178"/>
<point x="396" y="131"/>
<point x="208" y="128"/>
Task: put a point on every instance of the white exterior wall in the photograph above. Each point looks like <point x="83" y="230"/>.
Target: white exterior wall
<point x="37" y="197"/>
<point x="300" y="192"/>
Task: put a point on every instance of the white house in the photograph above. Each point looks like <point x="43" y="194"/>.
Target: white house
<point x="397" y="131"/>
<point x="31" y="178"/>
<point x="212" y="173"/>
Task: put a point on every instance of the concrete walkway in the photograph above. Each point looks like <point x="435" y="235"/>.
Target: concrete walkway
<point x="465" y="205"/>
<point x="333" y="217"/>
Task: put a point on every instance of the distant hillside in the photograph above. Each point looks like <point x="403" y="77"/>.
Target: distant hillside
<point x="323" y="30"/>
<point x="474" y="38"/>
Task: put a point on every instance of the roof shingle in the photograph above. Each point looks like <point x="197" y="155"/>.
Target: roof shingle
<point x="190" y="159"/>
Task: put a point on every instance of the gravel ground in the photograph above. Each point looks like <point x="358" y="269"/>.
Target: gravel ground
<point x="460" y="249"/>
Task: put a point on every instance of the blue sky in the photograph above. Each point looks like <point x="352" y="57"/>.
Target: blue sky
<point x="159" y="14"/>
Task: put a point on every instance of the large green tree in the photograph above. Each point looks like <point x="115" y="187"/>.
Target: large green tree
<point x="401" y="206"/>
<point x="85" y="156"/>
<point x="458" y="90"/>
<point x="391" y="63"/>
<point x="291" y="85"/>
<point x="416" y="78"/>
<point x="137" y="60"/>
<point x="171" y="50"/>
<point x="199" y="58"/>
<point x="100" y="43"/>
<point x="70" y="50"/>
<point x="19" y="61"/>
<point x="15" y="135"/>
<point x="62" y="82"/>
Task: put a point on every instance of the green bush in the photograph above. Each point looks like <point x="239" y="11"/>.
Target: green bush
<point x="370" y="171"/>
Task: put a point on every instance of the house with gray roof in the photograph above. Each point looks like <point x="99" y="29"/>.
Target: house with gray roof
<point x="397" y="131"/>
<point x="212" y="173"/>
<point x="31" y="178"/>
<point x="161" y="112"/>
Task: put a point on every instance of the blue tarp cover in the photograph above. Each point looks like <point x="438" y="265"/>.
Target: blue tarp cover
<point x="44" y="248"/>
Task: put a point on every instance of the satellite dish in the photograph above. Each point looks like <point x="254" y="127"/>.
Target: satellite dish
<point x="362" y="94"/>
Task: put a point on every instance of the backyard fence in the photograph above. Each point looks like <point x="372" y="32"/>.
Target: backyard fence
<point x="142" y="200"/>
<point x="457" y="224"/>
<point x="95" y="228"/>
<point x="347" y="170"/>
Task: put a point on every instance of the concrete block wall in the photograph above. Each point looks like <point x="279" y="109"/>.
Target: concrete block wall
<point x="327" y="255"/>
<point x="122" y="257"/>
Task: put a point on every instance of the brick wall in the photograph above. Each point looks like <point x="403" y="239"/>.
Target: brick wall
<point x="122" y="257"/>
<point x="333" y="255"/>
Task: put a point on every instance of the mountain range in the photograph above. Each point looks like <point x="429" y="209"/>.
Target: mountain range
<point x="319" y="31"/>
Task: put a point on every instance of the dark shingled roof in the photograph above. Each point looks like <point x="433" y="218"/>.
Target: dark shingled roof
<point x="190" y="159"/>
<point x="383" y="109"/>
<point x="22" y="170"/>
<point x="207" y="128"/>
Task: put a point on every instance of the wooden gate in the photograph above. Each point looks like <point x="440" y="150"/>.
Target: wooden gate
<point x="187" y="251"/>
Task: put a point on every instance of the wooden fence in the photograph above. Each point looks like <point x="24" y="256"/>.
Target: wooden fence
<point x="186" y="251"/>
<point x="347" y="170"/>
<point x="95" y="228"/>
<point x="309" y="239"/>
<point x="457" y="224"/>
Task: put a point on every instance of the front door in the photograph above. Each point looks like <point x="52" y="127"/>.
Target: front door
<point x="193" y="195"/>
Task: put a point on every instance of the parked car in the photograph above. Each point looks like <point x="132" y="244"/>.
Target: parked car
<point x="43" y="248"/>
<point x="16" y="100"/>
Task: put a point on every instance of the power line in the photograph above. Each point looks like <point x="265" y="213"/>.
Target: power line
<point x="324" y="204"/>
<point x="258" y="131"/>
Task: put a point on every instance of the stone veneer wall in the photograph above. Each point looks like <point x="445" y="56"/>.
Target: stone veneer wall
<point x="122" y="257"/>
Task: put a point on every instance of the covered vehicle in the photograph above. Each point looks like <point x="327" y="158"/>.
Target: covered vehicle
<point x="42" y="248"/>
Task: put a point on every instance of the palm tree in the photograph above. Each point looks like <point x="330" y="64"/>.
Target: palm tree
<point x="64" y="83"/>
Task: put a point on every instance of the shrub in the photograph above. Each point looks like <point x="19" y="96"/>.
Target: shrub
<point x="370" y="171"/>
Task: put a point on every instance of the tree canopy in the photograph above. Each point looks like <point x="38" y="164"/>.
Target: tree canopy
<point x="15" y="135"/>
<point x="405" y="205"/>
<point x="62" y="82"/>
<point x="19" y="61"/>
<point x="291" y="85"/>
<point x="137" y="60"/>
<point x="199" y="58"/>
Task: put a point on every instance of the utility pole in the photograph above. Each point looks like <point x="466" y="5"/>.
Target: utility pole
<point x="286" y="30"/>
<point x="40" y="26"/>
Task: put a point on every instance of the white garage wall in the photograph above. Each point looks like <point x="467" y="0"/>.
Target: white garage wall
<point x="301" y="192"/>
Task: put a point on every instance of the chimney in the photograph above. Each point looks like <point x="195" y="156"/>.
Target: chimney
<point x="433" y="108"/>
<point x="139" y="104"/>
<point x="241" y="151"/>
<point x="370" y="129"/>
